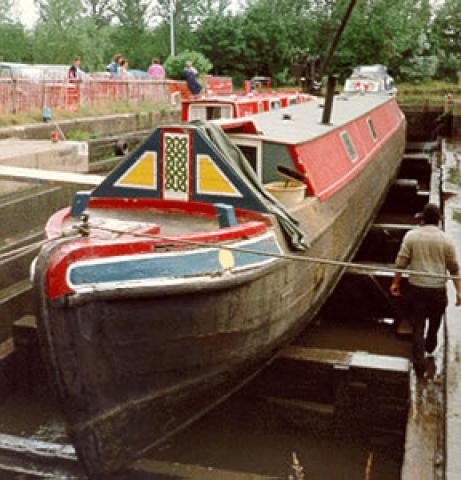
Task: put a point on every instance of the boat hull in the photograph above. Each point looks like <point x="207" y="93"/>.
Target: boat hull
<point x="131" y="368"/>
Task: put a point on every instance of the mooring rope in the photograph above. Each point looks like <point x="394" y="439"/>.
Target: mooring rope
<point x="85" y="229"/>
<point x="11" y="254"/>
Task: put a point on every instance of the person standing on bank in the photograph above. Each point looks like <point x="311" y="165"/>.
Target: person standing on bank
<point x="427" y="249"/>
<point x="191" y="77"/>
<point x="156" y="71"/>
<point x="73" y="74"/>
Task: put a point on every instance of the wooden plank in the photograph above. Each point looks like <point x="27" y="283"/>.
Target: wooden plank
<point x="419" y="156"/>
<point x="422" y="146"/>
<point x="37" y="448"/>
<point x="49" y="176"/>
<point x="357" y="359"/>
<point x="374" y="273"/>
<point x="307" y="354"/>
<point x="405" y="183"/>
<point x="6" y="348"/>
<point x="393" y="226"/>
<point x="38" y="458"/>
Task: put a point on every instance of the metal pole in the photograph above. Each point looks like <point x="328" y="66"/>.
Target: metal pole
<point x="172" y="46"/>
<point x="335" y="42"/>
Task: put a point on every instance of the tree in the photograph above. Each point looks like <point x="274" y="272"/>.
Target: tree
<point x="221" y="39"/>
<point x="59" y="14"/>
<point x="6" y="11"/>
<point x="131" y="36"/>
<point x="15" y="45"/>
<point x="446" y="34"/>
<point x="99" y="10"/>
<point x="379" y="31"/>
<point x="174" y="66"/>
<point x="63" y="32"/>
<point x="268" y="48"/>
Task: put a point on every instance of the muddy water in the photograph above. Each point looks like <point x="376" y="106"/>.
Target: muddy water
<point x="246" y="434"/>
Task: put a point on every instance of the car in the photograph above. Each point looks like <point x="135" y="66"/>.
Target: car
<point x="138" y="74"/>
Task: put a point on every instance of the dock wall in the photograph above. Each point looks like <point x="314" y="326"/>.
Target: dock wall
<point x="98" y="126"/>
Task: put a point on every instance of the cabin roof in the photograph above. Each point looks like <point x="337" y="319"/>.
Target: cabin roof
<point x="305" y="123"/>
<point x="234" y="98"/>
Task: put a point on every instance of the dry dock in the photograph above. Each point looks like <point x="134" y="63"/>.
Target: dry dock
<point x="340" y="402"/>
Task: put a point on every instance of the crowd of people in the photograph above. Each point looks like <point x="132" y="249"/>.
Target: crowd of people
<point x="118" y="69"/>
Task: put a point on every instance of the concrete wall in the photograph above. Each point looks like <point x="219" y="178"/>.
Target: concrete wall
<point x="100" y="126"/>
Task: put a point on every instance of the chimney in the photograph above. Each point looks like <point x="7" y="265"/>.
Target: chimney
<point x="329" y="100"/>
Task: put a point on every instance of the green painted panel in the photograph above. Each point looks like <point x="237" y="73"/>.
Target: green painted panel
<point x="274" y="154"/>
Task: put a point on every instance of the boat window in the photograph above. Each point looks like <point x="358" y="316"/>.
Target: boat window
<point x="209" y="112"/>
<point x="371" y="127"/>
<point x="350" y="149"/>
<point x="292" y="101"/>
<point x="253" y="153"/>
<point x="260" y="107"/>
<point x="275" y="104"/>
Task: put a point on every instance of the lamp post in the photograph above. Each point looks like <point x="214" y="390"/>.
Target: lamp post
<point x="172" y="46"/>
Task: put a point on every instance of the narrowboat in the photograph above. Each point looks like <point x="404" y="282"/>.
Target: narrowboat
<point x="213" y="106"/>
<point x="173" y="282"/>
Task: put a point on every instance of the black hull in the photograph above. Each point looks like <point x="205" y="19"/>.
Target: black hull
<point x="133" y="369"/>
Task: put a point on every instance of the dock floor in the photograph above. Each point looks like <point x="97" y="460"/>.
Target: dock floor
<point x="453" y="325"/>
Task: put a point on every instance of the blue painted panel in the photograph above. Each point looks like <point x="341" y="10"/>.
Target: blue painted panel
<point x="107" y="188"/>
<point x="156" y="266"/>
<point x="226" y="215"/>
<point x="79" y="203"/>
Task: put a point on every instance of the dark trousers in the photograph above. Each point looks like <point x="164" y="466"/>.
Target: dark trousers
<point x="427" y="304"/>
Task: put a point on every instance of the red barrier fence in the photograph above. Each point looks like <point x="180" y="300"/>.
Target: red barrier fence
<point x="23" y="95"/>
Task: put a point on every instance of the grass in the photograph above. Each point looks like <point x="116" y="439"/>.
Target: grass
<point x="80" y="135"/>
<point x="453" y="176"/>
<point x="112" y="108"/>
<point x="433" y="92"/>
<point x="457" y="216"/>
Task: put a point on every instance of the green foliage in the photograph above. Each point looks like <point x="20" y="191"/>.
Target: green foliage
<point x="263" y="37"/>
<point x="174" y="66"/>
<point x="222" y="40"/>
<point x="15" y="45"/>
<point x="6" y="11"/>
<point x="445" y="37"/>
<point x="80" y="135"/>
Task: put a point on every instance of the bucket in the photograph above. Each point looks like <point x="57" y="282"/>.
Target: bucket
<point x="289" y="194"/>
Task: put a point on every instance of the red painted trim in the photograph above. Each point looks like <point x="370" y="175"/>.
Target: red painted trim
<point x="56" y="221"/>
<point x="191" y="179"/>
<point x="173" y="130"/>
<point x="244" y="126"/>
<point x="299" y="167"/>
<point x="161" y="162"/>
<point x="93" y="248"/>
<point x="184" y="111"/>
